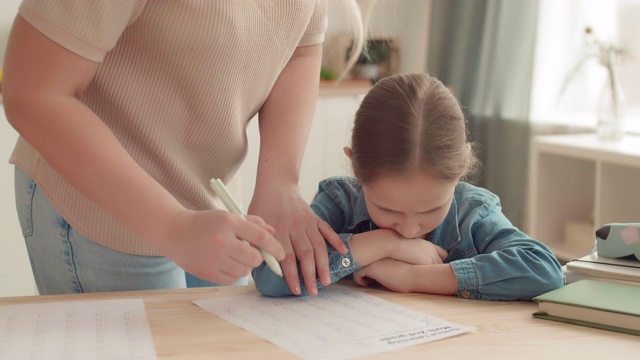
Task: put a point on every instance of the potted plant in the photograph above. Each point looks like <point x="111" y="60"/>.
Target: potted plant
<point x="375" y="54"/>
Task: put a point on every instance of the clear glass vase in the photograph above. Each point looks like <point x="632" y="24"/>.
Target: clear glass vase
<point x="611" y="108"/>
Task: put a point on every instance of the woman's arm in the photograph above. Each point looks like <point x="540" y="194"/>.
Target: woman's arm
<point x="41" y="85"/>
<point x="40" y="91"/>
<point x="285" y="120"/>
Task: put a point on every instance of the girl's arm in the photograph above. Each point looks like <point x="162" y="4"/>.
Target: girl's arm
<point x="509" y="264"/>
<point x="402" y="277"/>
<point x="375" y="245"/>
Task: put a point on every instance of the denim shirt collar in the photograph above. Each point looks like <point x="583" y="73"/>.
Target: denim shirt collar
<point x="448" y="228"/>
<point x="361" y="219"/>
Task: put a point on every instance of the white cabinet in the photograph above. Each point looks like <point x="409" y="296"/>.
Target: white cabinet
<point x="579" y="182"/>
<point x="330" y="132"/>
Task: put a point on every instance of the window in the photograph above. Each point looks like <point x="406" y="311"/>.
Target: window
<point x="561" y="44"/>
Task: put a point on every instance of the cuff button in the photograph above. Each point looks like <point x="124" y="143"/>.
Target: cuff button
<point x="346" y="262"/>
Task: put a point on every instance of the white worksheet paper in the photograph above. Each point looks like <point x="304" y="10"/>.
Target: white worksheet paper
<point x="112" y="329"/>
<point x="339" y="323"/>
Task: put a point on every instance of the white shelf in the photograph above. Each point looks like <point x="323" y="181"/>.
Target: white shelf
<point x="578" y="178"/>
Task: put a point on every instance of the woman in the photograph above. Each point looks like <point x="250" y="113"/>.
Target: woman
<point x="125" y="110"/>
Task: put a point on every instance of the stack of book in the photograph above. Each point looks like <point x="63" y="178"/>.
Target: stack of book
<point x="592" y="303"/>
<point x="601" y="292"/>
<point x="617" y="270"/>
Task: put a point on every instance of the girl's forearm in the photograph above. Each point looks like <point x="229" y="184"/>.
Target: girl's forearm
<point x="434" y="279"/>
<point x="371" y="246"/>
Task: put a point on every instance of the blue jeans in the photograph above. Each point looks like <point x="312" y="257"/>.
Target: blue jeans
<point x="64" y="261"/>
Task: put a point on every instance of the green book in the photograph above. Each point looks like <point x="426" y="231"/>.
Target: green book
<point x="598" y="304"/>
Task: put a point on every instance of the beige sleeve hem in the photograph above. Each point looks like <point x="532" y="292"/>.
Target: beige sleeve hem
<point x="317" y="25"/>
<point x="62" y="37"/>
<point x="311" y="39"/>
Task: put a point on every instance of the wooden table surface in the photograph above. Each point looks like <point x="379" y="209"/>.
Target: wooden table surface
<point x="505" y="330"/>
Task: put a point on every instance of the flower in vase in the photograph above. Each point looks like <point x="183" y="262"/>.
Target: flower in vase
<point x="607" y="54"/>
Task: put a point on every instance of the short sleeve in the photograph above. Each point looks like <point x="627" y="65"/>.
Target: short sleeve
<point x="317" y="25"/>
<point x="87" y="28"/>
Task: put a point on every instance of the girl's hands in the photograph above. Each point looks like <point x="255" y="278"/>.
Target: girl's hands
<point x="418" y="252"/>
<point x="392" y="274"/>
<point x="209" y="244"/>
<point x="301" y="233"/>
<point x="402" y="277"/>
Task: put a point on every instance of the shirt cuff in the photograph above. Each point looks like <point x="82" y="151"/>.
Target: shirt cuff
<point x="468" y="281"/>
<point x="341" y="265"/>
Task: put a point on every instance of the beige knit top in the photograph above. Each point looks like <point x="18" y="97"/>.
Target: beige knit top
<point x="178" y="83"/>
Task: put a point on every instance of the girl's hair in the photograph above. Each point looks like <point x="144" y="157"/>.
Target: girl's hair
<point x="407" y="123"/>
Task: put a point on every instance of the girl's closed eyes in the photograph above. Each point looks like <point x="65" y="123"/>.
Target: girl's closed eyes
<point x="410" y="204"/>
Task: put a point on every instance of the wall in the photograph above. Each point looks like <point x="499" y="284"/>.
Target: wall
<point x="15" y="272"/>
<point x="8" y="10"/>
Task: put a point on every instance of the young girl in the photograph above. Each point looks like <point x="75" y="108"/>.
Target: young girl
<point x="411" y="224"/>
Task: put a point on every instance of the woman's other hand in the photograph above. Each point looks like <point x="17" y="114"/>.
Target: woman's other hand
<point x="301" y="233"/>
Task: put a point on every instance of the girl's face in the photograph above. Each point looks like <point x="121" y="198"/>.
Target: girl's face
<point x="411" y="204"/>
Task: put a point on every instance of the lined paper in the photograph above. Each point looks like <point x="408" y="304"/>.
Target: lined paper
<point x="338" y="323"/>
<point x="113" y="329"/>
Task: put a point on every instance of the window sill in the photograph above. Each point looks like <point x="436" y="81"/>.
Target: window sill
<point x="584" y="121"/>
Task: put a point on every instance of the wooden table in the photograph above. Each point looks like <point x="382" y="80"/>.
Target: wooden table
<point x="505" y="330"/>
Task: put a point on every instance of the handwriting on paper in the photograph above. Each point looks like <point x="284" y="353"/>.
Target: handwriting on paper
<point x="113" y="329"/>
<point x="338" y="323"/>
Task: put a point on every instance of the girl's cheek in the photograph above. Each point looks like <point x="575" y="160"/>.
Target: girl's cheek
<point x="382" y="221"/>
<point x="431" y="222"/>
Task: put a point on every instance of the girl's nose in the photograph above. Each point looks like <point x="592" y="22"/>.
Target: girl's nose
<point x="409" y="229"/>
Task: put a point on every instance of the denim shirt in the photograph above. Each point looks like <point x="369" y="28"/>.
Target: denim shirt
<point x="491" y="258"/>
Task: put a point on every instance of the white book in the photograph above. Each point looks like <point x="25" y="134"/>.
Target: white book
<point x="573" y="276"/>
<point x="593" y="265"/>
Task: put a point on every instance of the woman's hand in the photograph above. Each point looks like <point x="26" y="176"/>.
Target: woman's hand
<point x="209" y="244"/>
<point x="418" y="252"/>
<point x="392" y="274"/>
<point x="301" y="233"/>
<point x="285" y="121"/>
